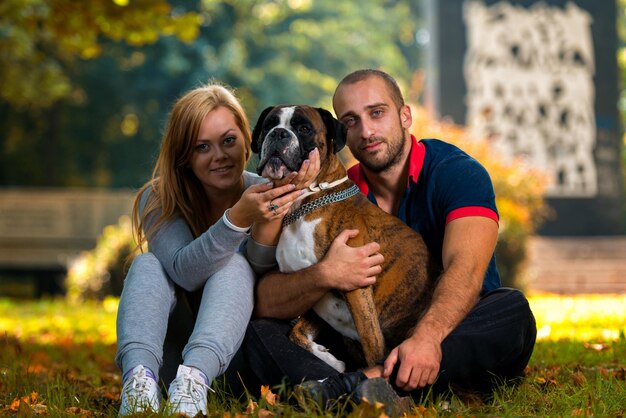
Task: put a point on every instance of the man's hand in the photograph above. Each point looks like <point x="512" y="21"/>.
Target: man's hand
<point x="348" y="268"/>
<point x="419" y="357"/>
<point x="468" y="245"/>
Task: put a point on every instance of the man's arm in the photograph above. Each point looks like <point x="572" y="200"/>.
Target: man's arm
<point x="467" y="249"/>
<point x="288" y="295"/>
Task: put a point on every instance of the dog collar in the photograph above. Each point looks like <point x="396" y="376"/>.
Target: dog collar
<point x="319" y="202"/>
<point x="326" y="185"/>
<point x="315" y="187"/>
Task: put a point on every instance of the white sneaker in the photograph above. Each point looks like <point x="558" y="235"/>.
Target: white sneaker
<point x="140" y="392"/>
<point x="188" y="392"/>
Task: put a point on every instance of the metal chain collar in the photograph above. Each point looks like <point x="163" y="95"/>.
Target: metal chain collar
<point x="319" y="202"/>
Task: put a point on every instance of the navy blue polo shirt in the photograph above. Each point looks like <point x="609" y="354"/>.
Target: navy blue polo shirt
<point x="444" y="184"/>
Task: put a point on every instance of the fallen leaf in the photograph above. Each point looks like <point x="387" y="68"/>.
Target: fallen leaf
<point x="24" y="410"/>
<point x="596" y="346"/>
<point x="76" y="410"/>
<point x="19" y="403"/>
<point x="252" y="406"/>
<point x="268" y="395"/>
<point x="73" y="410"/>
<point x="579" y="379"/>
<point x="264" y="413"/>
<point x="15" y="405"/>
<point x="40" y="409"/>
<point x="549" y="380"/>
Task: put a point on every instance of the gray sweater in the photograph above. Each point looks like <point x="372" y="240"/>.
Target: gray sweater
<point x="190" y="262"/>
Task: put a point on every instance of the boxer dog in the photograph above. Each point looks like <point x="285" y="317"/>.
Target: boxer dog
<point x="380" y="316"/>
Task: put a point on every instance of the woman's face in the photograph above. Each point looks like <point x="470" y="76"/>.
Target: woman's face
<point x="219" y="156"/>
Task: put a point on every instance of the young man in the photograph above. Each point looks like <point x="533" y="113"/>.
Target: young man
<point x="475" y="333"/>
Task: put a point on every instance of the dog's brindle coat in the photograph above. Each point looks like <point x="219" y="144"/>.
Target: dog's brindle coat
<point x="379" y="316"/>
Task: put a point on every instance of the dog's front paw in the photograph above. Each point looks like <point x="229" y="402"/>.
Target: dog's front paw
<point x="322" y="353"/>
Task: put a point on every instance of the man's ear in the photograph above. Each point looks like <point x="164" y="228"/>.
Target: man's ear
<point x="335" y="130"/>
<point x="405" y="116"/>
<point x="258" y="128"/>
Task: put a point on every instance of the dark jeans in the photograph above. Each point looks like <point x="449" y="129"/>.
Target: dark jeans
<point x="491" y="346"/>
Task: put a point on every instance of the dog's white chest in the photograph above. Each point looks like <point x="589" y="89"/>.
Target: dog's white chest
<point x="295" y="251"/>
<point x="296" y="247"/>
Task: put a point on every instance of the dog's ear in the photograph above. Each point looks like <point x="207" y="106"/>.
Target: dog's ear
<point x="335" y="130"/>
<point x="258" y="128"/>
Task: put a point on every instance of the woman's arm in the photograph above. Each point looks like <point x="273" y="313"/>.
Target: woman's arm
<point x="190" y="262"/>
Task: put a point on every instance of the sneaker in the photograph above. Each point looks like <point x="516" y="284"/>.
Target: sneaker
<point x="140" y="392"/>
<point x="324" y="392"/>
<point x="378" y="390"/>
<point x="188" y="392"/>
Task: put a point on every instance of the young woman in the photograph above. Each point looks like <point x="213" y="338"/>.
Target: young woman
<point x="194" y="214"/>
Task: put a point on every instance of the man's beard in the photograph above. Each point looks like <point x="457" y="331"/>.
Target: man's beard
<point x="392" y="155"/>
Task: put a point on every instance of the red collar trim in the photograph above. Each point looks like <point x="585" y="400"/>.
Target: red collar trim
<point x="416" y="161"/>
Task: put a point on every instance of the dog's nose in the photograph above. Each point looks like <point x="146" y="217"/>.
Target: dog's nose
<point x="279" y="133"/>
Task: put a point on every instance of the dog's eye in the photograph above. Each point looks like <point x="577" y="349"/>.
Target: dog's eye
<point x="304" y="130"/>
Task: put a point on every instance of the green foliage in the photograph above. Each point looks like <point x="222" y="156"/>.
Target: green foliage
<point x="296" y="51"/>
<point x="42" y="39"/>
<point x="100" y="272"/>
<point x="103" y="128"/>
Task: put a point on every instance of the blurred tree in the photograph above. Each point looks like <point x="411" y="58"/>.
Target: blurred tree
<point x="48" y="49"/>
<point x="106" y="129"/>
<point x="42" y="39"/>
<point x="297" y="50"/>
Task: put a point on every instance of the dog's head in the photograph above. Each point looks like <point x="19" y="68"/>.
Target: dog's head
<point x="284" y="135"/>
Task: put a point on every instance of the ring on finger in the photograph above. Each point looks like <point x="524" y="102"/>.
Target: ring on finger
<point x="272" y="207"/>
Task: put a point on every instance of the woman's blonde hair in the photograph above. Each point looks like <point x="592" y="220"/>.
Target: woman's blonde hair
<point x="174" y="188"/>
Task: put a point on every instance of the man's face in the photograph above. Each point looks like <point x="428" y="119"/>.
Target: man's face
<point x="377" y="130"/>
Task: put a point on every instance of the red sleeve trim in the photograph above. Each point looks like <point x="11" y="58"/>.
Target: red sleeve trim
<point x="472" y="211"/>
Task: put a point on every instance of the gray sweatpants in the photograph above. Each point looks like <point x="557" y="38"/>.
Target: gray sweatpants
<point x="148" y="300"/>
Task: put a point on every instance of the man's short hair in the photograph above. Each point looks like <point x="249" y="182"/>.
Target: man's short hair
<point x="360" y="75"/>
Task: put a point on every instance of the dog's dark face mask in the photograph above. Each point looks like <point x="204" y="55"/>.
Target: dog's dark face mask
<point x="285" y="135"/>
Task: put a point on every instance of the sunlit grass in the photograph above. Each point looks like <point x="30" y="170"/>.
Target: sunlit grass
<point x="56" y="321"/>
<point x="57" y="357"/>
<point x="579" y="317"/>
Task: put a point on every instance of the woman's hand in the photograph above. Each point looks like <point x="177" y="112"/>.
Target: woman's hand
<point x="268" y="202"/>
<point x="263" y="203"/>
<point x="309" y="170"/>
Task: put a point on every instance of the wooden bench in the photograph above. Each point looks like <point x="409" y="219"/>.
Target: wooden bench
<point x="570" y="265"/>
<point x="42" y="230"/>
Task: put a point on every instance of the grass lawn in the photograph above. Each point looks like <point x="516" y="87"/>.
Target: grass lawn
<point x="57" y="360"/>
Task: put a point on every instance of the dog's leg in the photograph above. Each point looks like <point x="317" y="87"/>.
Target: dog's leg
<point x="363" y="309"/>
<point x="304" y="333"/>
